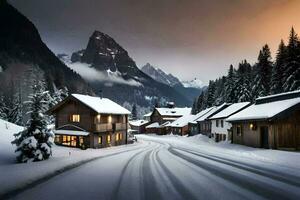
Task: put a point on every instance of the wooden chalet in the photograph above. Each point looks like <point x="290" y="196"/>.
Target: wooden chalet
<point x="89" y="122"/>
<point x="181" y="125"/>
<point x="272" y="122"/>
<point x="162" y="117"/>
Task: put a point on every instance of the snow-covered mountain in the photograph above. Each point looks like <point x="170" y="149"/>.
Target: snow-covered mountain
<point x="189" y="89"/>
<point x="160" y="76"/>
<point x="107" y="66"/>
<point x="195" y="83"/>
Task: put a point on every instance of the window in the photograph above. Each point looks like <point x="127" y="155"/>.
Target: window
<point x="57" y="138"/>
<point x="99" y="139"/>
<point x="108" y="139"/>
<point x="98" y="118"/>
<point x="217" y="123"/>
<point x="75" y="118"/>
<point x="121" y="136"/>
<point x="117" y="137"/>
<point x="239" y="130"/>
<point x="81" y="140"/>
<point x="109" y="119"/>
<point x="222" y="123"/>
<point x="69" y="140"/>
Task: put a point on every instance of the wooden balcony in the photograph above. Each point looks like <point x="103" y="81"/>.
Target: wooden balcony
<point x="120" y="126"/>
<point x="103" y="127"/>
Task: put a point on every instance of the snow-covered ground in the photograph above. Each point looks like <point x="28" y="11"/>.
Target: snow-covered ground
<point x="156" y="167"/>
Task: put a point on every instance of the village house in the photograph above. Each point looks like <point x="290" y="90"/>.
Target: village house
<point x="193" y="125"/>
<point x="138" y="126"/>
<point x="220" y="129"/>
<point x="147" y="116"/>
<point x="180" y="125"/>
<point x="272" y="122"/>
<point x="161" y="118"/>
<point x="89" y="122"/>
<point x="204" y="124"/>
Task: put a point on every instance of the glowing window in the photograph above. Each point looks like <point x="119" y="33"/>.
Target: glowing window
<point x="100" y="140"/>
<point x="108" y="138"/>
<point x="109" y="119"/>
<point x="75" y="118"/>
<point x="117" y="137"/>
<point x="98" y="118"/>
<point x="121" y="136"/>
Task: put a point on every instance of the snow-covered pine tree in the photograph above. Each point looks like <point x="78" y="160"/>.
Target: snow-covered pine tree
<point x="3" y="108"/>
<point x="210" y="98"/>
<point x="277" y="77"/>
<point x="33" y="144"/>
<point x="134" y="112"/>
<point x="292" y="72"/>
<point x="194" y="107"/>
<point x="243" y="82"/>
<point x="230" y="85"/>
<point x="262" y="80"/>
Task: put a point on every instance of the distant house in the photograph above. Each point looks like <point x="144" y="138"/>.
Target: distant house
<point x="181" y="125"/>
<point x="147" y="116"/>
<point x="204" y="124"/>
<point x="220" y="129"/>
<point x="86" y="121"/>
<point x="193" y="127"/>
<point x="163" y="117"/>
<point x="138" y="126"/>
<point x="272" y="122"/>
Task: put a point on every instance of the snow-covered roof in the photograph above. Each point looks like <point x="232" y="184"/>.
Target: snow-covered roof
<point x="203" y="112"/>
<point x="174" y="111"/>
<point x="212" y="110"/>
<point x="278" y="95"/>
<point x="170" y="118"/>
<point x="264" y="111"/>
<point x="153" y="125"/>
<point x="148" y="114"/>
<point x="138" y="122"/>
<point x="183" y="121"/>
<point x="165" y="124"/>
<point x="101" y="105"/>
<point x="233" y="108"/>
<point x="70" y="132"/>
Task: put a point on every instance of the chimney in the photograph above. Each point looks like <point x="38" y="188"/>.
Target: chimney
<point x="100" y="94"/>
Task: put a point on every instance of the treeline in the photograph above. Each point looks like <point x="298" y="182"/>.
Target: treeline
<point x="265" y="77"/>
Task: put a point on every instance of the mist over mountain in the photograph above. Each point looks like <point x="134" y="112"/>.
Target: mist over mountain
<point x="108" y="68"/>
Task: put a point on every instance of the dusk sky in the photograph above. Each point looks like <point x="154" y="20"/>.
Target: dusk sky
<point x="188" y="38"/>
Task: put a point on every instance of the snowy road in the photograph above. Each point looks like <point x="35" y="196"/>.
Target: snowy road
<point x="166" y="170"/>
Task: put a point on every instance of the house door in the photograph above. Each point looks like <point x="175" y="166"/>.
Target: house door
<point x="264" y="134"/>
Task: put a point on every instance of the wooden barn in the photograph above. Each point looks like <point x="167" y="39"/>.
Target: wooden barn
<point x="272" y="122"/>
<point x="89" y="122"/>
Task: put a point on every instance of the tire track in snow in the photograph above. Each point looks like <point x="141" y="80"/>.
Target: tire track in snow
<point x="20" y="189"/>
<point x="178" y="185"/>
<point x="115" y="193"/>
<point x="256" y="186"/>
<point x="269" y="173"/>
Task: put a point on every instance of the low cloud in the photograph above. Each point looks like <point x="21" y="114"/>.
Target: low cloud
<point x="109" y="78"/>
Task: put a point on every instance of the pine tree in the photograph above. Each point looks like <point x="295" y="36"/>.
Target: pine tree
<point x="263" y="73"/>
<point x="230" y="85"/>
<point x="243" y="82"/>
<point x="134" y="112"/>
<point x="292" y="72"/>
<point x="210" y="98"/>
<point x="3" y="108"/>
<point x="33" y="144"/>
<point x="194" y="107"/>
<point x="277" y="78"/>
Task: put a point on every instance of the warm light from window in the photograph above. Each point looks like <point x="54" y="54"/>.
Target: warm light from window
<point x="75" y="118"/>
<point x="121" y="136"/>
<point x="117" y="137"/>
<point x="100" y="140"/>
<point x="108" y="139"/>
<point x="98" y="118"/>
<point x="109" y="119"/>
